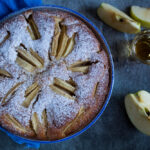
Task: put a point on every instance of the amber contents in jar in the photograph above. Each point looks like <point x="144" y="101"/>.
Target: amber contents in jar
<point x="142" y="48"/>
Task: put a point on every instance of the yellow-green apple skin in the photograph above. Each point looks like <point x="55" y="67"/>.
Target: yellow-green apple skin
<point x="117" y="19"/>
<point x="137" y="106"/>
<point x="141" y="15"/>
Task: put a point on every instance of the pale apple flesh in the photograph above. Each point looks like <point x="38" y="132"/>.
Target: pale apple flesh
<point x="141" y="15"/>
<point x="117" y="19"/>
<point x="138" y="110"/>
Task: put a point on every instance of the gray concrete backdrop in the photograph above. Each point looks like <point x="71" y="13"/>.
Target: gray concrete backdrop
<point x="113" y="130"/>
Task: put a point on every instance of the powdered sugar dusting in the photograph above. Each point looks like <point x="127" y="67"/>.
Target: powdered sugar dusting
<point x="59" y="108"/>
<point x="60" y="71"/>
<point x="16" y="28"/>
<point x="14" y="106"/>
<point x="63" y="109"/>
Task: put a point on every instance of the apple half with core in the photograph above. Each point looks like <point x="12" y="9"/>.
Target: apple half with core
<point x="141" y="14"/>
<point x="138" y="110"/>
<point x="117" y="19"/>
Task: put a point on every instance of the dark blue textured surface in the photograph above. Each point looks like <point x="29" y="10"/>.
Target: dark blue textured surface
<point x="113" y="131"/>
<point x="8" y="6"/>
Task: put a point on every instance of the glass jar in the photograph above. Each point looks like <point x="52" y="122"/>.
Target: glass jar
<point x="140" y="46"/>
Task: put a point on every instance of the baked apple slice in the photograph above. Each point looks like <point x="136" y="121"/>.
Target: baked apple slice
<point x="35" y="122"/>
<point x="24" y="64"/>
<point x="62" y="45"/>
<point x="39" y="58"/>
<point x="70" y="45"/>
<point x="62" y="42"/>
<point x="44" y="118"/>
<point x="5" y="38"/>
<point x="8" y="95"/>
<point x="80" y="66"/>
<point x="80" y="63"/>
<point x="5" y="73"/>
<point x="40" y="128"/>
<point x="67" y="128"/>
<point x="15" y="123"/>
<point x="62" y="92"/>
<point x="64" y="88"/>
<point x="32" y="28"/>
<point x="30" y="94"/>
<point x="95" y="89"/>
<point x="29" y="58"/>
<point x="83" y="69"/>
<point x="63" y="84"/>
<point x="57" y="32"/>
<point x="31" y="88"/>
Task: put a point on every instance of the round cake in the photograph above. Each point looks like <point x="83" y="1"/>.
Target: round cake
<point x="54" y="74"/>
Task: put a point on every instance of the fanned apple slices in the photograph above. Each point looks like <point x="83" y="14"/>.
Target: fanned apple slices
<point x="5" y="38"/>
<point x="10" y="93"/>
<point x="40" y="59"/>
<point x="25" y="65"/>
<point x="5" y="73"/>
<point x="40" y="128"/>
<point x="64" y="88"/>
<point x="32" y="28"/>
<point x="30" y="94"/>
<point x="62" y="42"/>
<point x="63" y="84"/>
<point x="62" y="45"/>
<point x="16" y="124"/>
<point x="29" y="60"/>
<point x="70" y="45"/>
<point x="80" y="66"/>
<point x="67" y="128"/>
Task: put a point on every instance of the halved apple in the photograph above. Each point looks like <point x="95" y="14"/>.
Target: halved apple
<point x="141" y="14"/>
<point x="117" y="19"/>
<point x="138" y="109"/>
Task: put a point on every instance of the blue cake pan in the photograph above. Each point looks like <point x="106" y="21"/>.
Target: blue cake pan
<point x="100" y="37"/>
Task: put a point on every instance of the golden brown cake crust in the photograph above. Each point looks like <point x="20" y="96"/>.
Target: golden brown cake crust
<point x="50" y="115"/>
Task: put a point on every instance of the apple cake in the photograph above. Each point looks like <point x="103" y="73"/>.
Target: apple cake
<point x="54" y="74"/>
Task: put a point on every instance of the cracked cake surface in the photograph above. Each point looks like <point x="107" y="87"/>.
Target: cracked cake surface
<point x="54" y="74"/>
